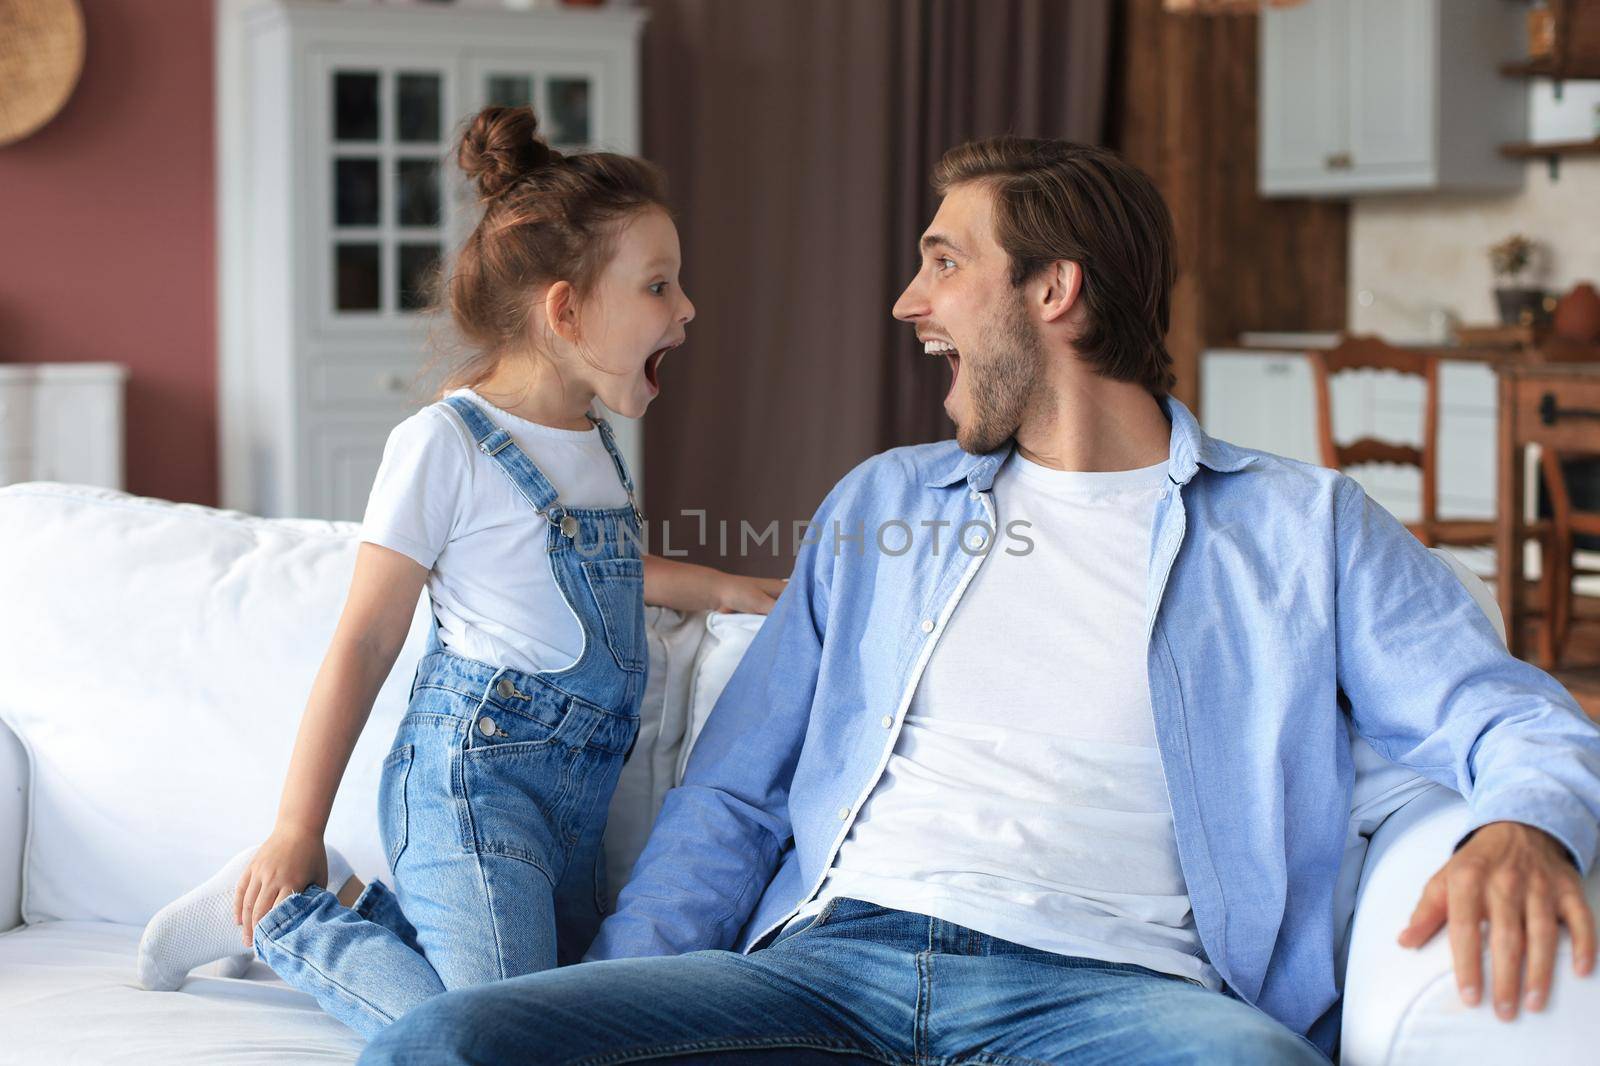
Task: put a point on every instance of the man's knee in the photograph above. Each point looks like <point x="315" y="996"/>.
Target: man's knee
<point x="1258" y="1041"/>
<point x="438" y="1031"/>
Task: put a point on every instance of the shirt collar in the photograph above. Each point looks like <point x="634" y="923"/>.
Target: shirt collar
<point x="1190" y="449"/>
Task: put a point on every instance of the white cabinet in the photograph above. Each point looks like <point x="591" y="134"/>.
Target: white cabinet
<point x="1267" y="400"/>
<point x="339" y="196"/>
<point x="62" y="422"/>
<point x="1373" y="96"/>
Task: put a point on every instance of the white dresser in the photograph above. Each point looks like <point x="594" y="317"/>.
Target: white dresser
<point x="62" y="422"/>
<point x="338" y="194"/>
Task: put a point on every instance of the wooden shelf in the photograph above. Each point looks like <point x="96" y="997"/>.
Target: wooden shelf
<point x="1550" y="151"/>
<point x="1537" y="150"/>
<point x="1572" y="69"/>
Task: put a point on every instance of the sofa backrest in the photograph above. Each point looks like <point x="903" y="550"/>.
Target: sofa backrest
<point x="156" y="658"/>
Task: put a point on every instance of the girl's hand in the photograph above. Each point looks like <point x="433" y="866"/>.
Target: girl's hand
<point x="749" y="595"/>
<point x="288" y="862"/>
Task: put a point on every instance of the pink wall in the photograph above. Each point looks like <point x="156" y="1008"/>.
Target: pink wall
<point x="107" y="235"/>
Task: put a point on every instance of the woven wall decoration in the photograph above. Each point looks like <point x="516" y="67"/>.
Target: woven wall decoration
<point x="41" y="56"/>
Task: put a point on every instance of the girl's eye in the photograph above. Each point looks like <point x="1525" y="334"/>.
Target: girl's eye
<point x="658" y="288"/>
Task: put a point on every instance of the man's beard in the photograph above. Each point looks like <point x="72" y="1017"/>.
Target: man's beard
<point x="1003" y="382"/>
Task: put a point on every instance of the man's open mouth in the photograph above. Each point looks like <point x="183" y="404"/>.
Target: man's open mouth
<point x="951" y="354"/>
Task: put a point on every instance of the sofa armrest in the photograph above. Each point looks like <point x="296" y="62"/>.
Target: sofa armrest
<point x="13" y="825"/>
<point x="1401" y="1006"/>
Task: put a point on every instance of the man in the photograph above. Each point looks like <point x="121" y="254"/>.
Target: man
<point x="1078" y="793"/>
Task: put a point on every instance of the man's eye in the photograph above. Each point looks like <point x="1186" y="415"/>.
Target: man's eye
<point x="946" y="263"/>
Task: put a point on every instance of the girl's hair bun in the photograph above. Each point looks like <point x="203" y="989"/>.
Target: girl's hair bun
<point x="501" y="147"/>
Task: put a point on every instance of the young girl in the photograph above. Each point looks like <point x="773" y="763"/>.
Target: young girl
<point x="509" y="501"/>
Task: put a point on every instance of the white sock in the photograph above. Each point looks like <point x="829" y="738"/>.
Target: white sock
<point x="339" y="871"/>
<point x="198" y="927"/>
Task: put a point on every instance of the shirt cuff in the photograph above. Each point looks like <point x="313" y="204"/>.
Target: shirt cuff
<point x="1560" y="814"/>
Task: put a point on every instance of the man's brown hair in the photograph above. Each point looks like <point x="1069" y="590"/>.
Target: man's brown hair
<point x="1058" y="200"/>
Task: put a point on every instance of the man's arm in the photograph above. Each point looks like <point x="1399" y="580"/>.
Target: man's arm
<point x="717" y="840"/>
<point x="1431" y="687"/>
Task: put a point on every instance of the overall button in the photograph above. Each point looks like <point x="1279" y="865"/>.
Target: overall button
<point x="505" y="688"/>
<point x="927" y="625"/>
<point x="569" y="526"/>
<point x="486" y="726"/>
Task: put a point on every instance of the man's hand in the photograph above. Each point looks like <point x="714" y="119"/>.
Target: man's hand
<point x="1521" y="880"/>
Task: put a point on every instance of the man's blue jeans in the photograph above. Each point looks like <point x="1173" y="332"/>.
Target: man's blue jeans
<point x="861" y="984"/>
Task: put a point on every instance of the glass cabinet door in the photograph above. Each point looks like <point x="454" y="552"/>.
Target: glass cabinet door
<point x="564" y="97"/>
<point x="385" y="154"/>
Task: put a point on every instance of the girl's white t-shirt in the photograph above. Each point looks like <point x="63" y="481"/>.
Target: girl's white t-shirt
<point x="440" y="501"/>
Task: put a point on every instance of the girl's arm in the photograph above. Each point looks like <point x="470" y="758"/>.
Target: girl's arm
<point x="372" y="629"/>
<point x="689" y="587"/>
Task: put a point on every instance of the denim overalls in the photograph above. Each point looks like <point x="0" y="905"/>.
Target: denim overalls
<point x="493" y="799"/>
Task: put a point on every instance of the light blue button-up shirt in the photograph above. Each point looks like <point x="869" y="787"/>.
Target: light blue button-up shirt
<point x="1281" y="599"/>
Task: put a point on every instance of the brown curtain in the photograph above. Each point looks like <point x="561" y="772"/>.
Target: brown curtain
<point x="798" y="138"/>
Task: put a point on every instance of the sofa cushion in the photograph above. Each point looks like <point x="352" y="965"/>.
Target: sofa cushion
<point x="68" y="994"/>
<point x="157" y="659"/>
<point x="158" y="679"/>
<point x="726" y="638"/>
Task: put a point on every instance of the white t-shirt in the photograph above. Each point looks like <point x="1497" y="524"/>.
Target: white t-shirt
<point x="1025" y="796"/>
<point x="442" y="502"/>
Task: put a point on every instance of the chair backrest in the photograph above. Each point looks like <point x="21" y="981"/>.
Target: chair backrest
<point x="1370" y="353"/>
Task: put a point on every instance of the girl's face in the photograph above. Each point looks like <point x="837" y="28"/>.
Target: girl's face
<point x="635" y="315"/>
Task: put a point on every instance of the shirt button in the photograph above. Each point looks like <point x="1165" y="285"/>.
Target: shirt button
<point x="844" y="813"/>
<point x="927" y="625"/>
<point x="888" y="722"/>
<point x="974" y="495"/>
<point x="486" y="726"/>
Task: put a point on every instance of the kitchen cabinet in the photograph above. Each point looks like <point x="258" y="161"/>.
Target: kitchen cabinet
<point x="1380" y="96"/>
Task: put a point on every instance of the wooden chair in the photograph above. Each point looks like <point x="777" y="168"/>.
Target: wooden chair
<point x="1566" y="523"/>
<point x="1370" y="353"/>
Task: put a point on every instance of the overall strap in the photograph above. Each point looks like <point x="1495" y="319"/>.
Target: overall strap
<point x="616" y="457"/>
<point x="497" y="444"/>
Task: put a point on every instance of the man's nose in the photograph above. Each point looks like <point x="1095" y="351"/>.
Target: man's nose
<point x="911" y="304"/>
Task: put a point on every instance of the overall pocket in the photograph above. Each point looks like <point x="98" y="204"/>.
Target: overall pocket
<point x="393" y="810"/>
<point x="517" y="776"/>
<point x="618" y="588"/>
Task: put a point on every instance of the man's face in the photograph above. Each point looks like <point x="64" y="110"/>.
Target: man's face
<point x="966" y="311"/>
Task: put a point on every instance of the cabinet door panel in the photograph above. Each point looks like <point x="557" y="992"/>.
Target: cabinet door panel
<point x="341" y="463"/>
<point x="1303" y="95"/>
<point x="1261" y="401"/>
<point x="1392" y="82"/>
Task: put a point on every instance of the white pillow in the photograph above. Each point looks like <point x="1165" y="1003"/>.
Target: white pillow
<point x="205" y="629"/>
<point x="652" y="769"/>
<point x="157" y="658"/>
<point x="727" y="637"/>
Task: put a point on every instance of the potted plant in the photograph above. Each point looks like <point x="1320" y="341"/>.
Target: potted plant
<point x="1512" y="258"/>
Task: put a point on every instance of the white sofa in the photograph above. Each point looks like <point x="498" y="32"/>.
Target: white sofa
<point x="154" y="660"/>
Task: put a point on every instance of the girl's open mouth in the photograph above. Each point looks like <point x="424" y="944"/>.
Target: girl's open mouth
<point x="652" y="368"/>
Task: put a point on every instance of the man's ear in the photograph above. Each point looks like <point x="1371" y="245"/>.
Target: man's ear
<point x="1062" y="281"/>
<point x="561" y="311"/>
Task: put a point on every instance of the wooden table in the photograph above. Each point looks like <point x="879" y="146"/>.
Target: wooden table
<point x="1552" y="404"/>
